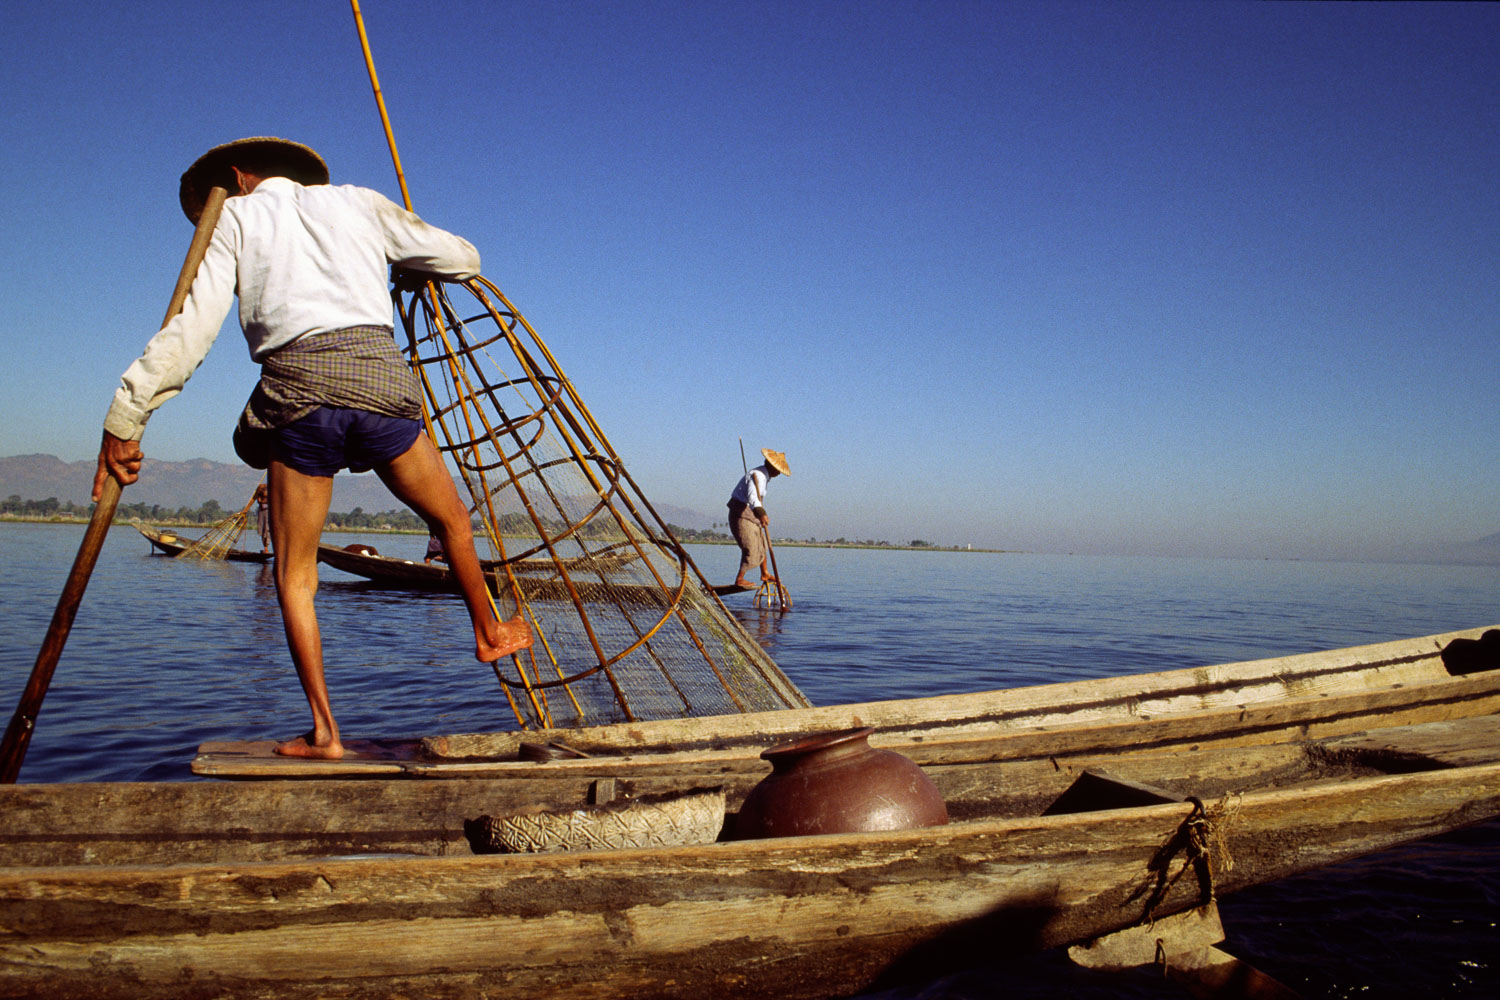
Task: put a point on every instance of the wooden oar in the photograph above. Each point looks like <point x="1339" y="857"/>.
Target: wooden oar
<point x="786" y="600"/>
<point x="18" y="733"/>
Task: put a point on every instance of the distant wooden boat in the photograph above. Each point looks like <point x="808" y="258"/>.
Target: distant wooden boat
<point x="322" y="888"/>
<point x="539" y="577"/>
<point x="169" y="544"/>
<point x="1330" y="693"/>
<point x="361" y="560"/>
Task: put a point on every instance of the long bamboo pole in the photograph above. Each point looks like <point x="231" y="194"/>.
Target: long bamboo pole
<point x="23" y="723"/>
<point x="786" y="600"/>
<point x="432" y="298"/>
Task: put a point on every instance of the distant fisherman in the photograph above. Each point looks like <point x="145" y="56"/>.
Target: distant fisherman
<point x="748" y="520"/>
<point x="309" y="262"/>
<point x="263" y="516"/>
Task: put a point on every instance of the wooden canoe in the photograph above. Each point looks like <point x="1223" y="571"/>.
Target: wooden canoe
<point x="357" y="888"/>
<point x="169" y="544"/>
<point x="386" y="570"/>
<point x="1407" y="681"/>
<point x="538" y="577"/>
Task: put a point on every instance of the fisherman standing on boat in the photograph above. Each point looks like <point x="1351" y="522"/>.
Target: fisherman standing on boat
<point x="748" y="520"/>
<point x="263" y="517"/>
<point x="309" y="263"/>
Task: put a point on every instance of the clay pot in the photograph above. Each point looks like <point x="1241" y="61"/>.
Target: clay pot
<point x="838" y="783"/>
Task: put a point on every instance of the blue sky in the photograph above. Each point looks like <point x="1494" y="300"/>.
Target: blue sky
<point x="1177" y="278"/>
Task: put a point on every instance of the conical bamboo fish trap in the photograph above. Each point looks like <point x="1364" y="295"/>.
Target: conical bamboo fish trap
<point x="627" y="627"/>
<point x="221" y="537"/>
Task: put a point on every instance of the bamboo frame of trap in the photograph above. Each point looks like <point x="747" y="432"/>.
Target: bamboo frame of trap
<point x="628" y="627"/>
<point x="694" y="658"/>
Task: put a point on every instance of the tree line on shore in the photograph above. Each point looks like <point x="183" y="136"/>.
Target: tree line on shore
<point x="358" y="519"/>
<point x="210" y="512"/>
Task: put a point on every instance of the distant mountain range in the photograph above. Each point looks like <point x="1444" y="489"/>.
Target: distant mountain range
<point x="1485" y="551"/>
<point x="192" y="483"/>
<point x="1479" y="552"/>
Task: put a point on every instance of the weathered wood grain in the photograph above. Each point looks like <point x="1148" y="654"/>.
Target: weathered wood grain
<point x="798" y="918"/>
<point x="1312" y="716"/>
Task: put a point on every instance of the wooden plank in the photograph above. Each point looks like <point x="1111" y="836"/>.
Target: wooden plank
<point x="1314" y="717"/>
<point x="1451" y="743"/>
<point x="1140" y="945"/>
<point x="1387" y="667"/>
<point x="257" y="758"/>
<point x="1402" y="662"/>
<point x="137" y="822"/>
<point x="262" y="820"/>
<point x="725" y="590"/>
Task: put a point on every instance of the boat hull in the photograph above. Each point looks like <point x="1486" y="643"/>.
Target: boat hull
<point x="800" y="917"/>
<point x="358" y="888"/>
<point x="540" y="578"/>
<point x="172" y="546"/>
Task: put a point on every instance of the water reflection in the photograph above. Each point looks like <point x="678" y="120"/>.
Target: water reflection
<point x="764" y="624"/>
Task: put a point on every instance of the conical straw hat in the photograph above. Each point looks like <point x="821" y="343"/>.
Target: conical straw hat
<point x="301" y="163"/>
<point x="777" y="460"/>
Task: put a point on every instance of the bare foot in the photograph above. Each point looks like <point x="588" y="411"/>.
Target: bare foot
<point x="307" y="745"/>
<point x="742" y="584"/>
<point x="497" y="639"/>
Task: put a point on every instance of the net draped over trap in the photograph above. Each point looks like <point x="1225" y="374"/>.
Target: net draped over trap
<point x="626" y="626"/>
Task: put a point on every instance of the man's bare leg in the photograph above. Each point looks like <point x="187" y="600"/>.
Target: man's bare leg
<point x="419" y="479"/>
<point x="766" y="576"/>
<point x="299" y="506"/>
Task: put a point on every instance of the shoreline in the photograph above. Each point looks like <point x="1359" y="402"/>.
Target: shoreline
<point x="783" y="543"/>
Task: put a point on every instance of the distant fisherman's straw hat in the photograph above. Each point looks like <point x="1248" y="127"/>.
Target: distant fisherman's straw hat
<point x="211" y="170"/>
<point x="777" y="460"/>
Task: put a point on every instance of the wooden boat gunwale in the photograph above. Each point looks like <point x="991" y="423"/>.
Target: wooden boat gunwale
<point x="1187" y="689"/>
<point x="1321" y="693"/>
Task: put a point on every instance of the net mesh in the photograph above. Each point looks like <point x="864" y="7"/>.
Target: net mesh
<point x="627" y="627"/>
<point x="220" y="538"/>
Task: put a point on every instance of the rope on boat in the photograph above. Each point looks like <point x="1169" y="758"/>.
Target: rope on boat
<point x="1201" y="839"/>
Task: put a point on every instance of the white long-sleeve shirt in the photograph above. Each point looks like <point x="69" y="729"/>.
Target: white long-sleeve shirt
<point x="751" y="489"/>
<point x="302" y="260"/>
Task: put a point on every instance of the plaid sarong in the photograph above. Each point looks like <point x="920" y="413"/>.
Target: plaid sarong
<point x="358" y="368"/>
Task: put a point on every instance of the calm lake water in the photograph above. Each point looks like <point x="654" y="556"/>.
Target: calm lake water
<point x="165" y="655"/>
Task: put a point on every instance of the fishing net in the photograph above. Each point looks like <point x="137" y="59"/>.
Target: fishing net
<point x="627" y="627"/>
<point x="220" y="538"/>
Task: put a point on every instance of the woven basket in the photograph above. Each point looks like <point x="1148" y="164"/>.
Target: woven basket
<point x="694" y="817"/>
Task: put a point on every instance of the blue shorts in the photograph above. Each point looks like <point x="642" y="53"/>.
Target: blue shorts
<point x="331" y="438"/>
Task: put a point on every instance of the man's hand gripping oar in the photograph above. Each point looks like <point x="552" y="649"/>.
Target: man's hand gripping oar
<point x="119" y="463"/>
